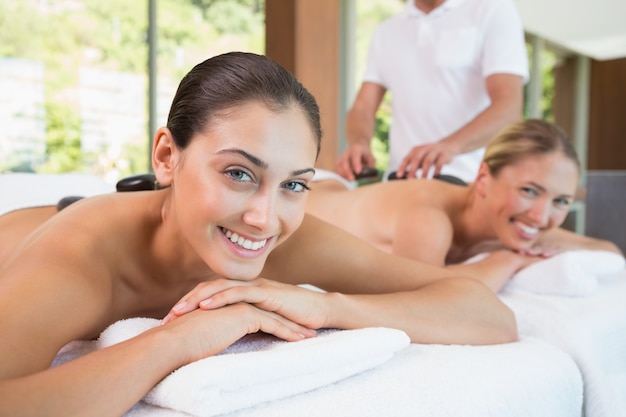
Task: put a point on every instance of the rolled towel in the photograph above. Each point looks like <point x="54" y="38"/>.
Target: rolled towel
<point x="261" y="368"/>
<point x="599" y="262"/>
<point x="572" y="273"/>
<point x="325" y="175"/>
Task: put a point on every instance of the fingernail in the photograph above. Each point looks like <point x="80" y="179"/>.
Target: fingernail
<point x="178" y="307"/>
<point x="167" y="319"/>
<point x="206" y="302"/>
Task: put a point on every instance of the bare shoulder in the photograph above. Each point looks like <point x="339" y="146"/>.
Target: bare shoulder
<point x="423" y="233"/>
<point x="16" y="225"/>
<point x="426" y="204"/>
<point x="57" y="287"/>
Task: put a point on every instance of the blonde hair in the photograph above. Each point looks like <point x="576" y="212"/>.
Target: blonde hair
<point x="524" y="139"/>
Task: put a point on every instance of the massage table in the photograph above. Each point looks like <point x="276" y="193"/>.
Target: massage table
<point x="570" y="359"/>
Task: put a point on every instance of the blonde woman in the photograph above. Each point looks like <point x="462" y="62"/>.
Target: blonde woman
<point x="521" y="195"/>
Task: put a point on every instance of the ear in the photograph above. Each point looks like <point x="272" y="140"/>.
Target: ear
<point x="164" y="156"/>
<point x="480" y="184"/>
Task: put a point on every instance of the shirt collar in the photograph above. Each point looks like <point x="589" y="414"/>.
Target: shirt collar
<point x="413" y="11"/>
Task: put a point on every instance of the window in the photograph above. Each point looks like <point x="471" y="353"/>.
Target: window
<point x="74" y="76"/>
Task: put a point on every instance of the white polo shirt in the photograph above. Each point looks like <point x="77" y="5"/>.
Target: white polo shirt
<point x="435" y="66"/>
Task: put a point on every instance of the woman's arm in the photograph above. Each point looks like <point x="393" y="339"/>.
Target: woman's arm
<point x="496" y="269"/>
<point x="323" y="255"/>
<point x="368" y="288"/>
<point x="440" y="313"/>
<point x="110" y="381"/>
<point x="53" y="295"/>
<point x="449" y="311"/>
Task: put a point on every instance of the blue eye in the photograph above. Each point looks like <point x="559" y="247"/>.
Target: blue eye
<point x="529" y="191"/>
<point x="296" y="186"/>
<point x="562" y="202"/>
<point x="238" y="175"/>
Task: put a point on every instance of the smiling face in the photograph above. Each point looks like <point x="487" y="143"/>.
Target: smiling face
<point x="239" y="188"/>
<point x="527" y="198"/>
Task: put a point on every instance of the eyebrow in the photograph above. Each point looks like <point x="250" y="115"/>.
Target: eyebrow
<point x="259" y="162"/>
<point x="540" y="187"/>
<point x="256" y="161"/>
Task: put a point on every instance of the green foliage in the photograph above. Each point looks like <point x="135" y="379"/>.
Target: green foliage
<point x="112" y="35"/>
<point x="114" y="32"/>
<point x="16" y="36"/>
<point x="63" y="152"/>
<point x="380" y="142"/>
<point x="548" y="62"/>
<point x="234" y="17"/>
<point x="138" y="160"/>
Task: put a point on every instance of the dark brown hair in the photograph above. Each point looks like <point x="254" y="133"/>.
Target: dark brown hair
<point x="232" y="79"/>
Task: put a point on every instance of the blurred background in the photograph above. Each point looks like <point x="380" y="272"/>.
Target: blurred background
<point x="85" y="83"/>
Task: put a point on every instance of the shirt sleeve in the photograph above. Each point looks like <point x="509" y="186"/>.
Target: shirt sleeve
<point x="504" y="49"/>
<point x="373" y="70"/>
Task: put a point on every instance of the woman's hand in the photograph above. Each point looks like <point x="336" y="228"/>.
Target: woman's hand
<point x="544" y="250"/>
<point x="305" y="307"/>
<point x="204" y="333"/>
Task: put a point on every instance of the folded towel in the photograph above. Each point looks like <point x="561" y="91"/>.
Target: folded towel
<point x="22" y="190"/>
<point x="572" y="273"/>
<point x="261" y="368"/>
<point x="591" y="329"/>
<point x="526" y="378"/>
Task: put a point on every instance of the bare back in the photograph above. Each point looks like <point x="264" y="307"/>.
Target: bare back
<point x="412" y="218"/>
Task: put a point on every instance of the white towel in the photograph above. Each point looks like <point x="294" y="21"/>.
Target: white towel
<point x="591" y="329"/>
<point x="527" y="378"/>
<point x="572" y="273"/>
<point x="324" y="175"/>
<point x="23" y="190"/>
<point x="261" y="368"/>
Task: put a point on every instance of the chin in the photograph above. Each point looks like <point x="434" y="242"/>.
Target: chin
<point x="244" y="273"/>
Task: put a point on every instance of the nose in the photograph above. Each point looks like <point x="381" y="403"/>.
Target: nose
<point x="261" y="211"/>
<point x="540" y="212"/>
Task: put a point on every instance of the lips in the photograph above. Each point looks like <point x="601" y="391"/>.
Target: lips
<point x="248" y="244"/>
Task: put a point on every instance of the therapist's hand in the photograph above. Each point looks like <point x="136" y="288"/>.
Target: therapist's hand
<point x="353" y="160"/>
<point x="426" y="157"/>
